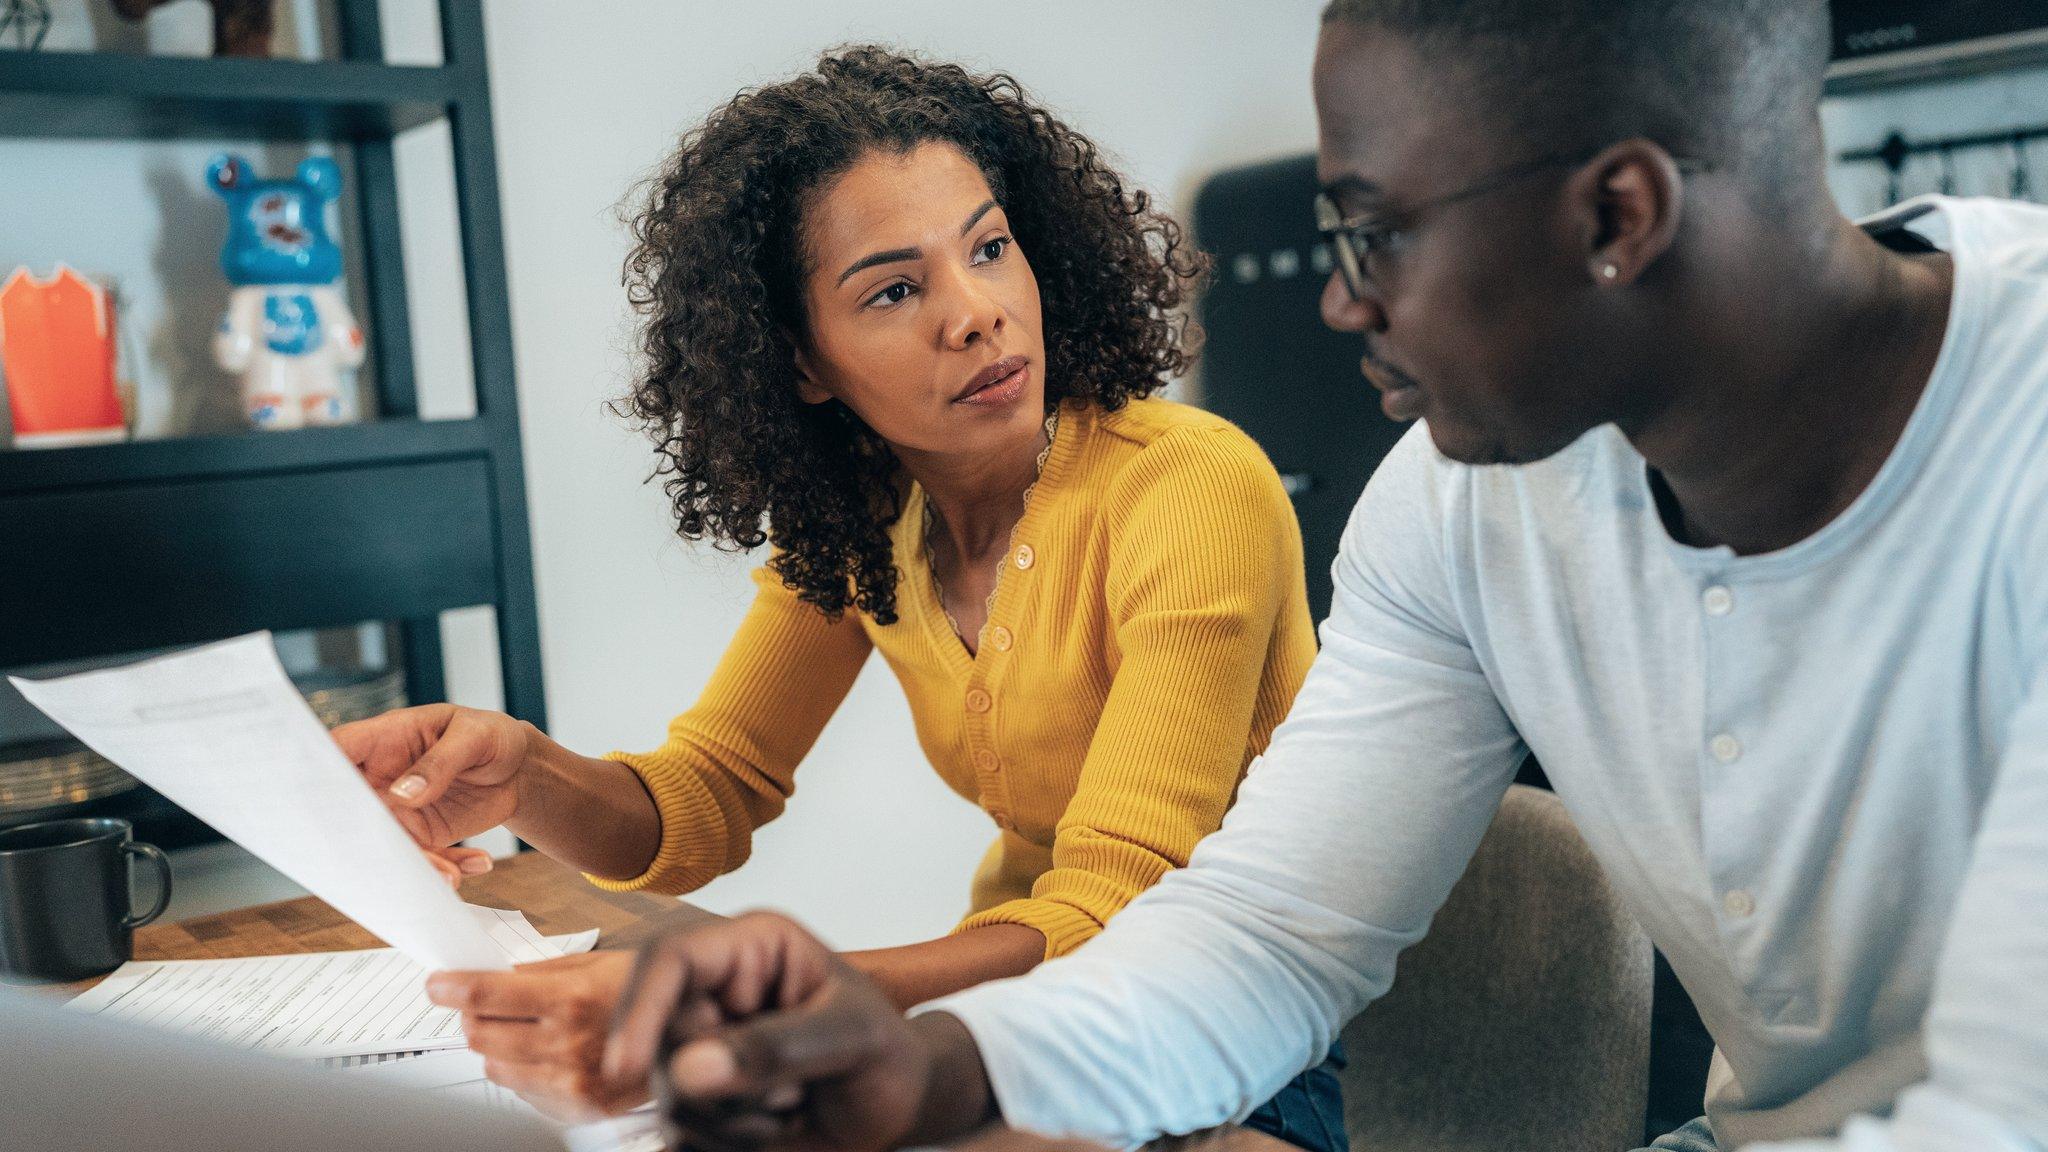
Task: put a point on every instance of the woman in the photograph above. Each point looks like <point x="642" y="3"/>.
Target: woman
<point x="902" y="324"/>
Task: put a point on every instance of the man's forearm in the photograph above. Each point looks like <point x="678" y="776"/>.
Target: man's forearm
<point x="593" y="815"/>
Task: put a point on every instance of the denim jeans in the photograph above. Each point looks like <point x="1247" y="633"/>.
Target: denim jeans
<point x="1694" y="1137"/>
<point x="1309" y="1111"/>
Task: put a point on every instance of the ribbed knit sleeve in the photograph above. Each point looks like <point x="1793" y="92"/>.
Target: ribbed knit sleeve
<point x="1204" y="554"/>
<point x="730" y="762"/>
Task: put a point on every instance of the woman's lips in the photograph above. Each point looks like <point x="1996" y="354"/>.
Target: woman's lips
<point x="1000" y="384"/>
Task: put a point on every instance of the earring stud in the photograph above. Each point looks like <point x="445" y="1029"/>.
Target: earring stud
<point x="1609" y="271"/>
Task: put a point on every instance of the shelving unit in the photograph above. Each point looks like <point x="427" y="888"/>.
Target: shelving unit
<point x="124" y="547"/>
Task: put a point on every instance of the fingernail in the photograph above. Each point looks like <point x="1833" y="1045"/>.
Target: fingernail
<point x="409" y="787"/>
<point x="704" y="1067"/>
<point x="441" y="990"/>
<point x="475" y="865"/>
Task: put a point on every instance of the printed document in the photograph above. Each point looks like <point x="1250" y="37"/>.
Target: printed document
<point x="322" y="1004"/>
<point x="222" y="732"/>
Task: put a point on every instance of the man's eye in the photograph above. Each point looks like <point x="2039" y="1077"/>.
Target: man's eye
<point x="992" y="250"/>
<point x="895" y="293"/>
<point x="1377" y="237"/>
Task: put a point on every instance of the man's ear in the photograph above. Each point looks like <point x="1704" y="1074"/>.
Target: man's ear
<point x="807" y="387"/>
<point x="1630" y="199"/>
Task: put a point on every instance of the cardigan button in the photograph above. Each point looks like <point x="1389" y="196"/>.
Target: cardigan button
<point x="985" y="760"/>
<point x="979" y="701"/>
<point x="1025" y="556"/>
<point x="1001" y="638"/>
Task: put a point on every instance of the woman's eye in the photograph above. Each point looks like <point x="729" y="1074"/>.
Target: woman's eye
<point x="895" y="293"/>
<point x="992" y="249"/>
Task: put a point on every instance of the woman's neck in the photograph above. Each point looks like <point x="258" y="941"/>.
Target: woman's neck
<point x="978" y="499"/>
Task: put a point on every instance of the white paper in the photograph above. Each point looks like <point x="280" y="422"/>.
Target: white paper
<point x="320" y="1004"/>
<point x="458" y="1074"/>
<point x="221" y="731"/>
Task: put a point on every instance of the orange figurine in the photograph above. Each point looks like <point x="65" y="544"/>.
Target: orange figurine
<point x="57" y="350"/>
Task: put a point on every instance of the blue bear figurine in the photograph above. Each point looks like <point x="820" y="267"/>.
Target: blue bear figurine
<point x="288" y="333"/>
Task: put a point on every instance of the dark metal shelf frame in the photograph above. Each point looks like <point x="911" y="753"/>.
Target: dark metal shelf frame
<point x="122" y="547"/>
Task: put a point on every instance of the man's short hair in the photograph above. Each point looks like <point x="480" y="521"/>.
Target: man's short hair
<point x="1733" y="83"/>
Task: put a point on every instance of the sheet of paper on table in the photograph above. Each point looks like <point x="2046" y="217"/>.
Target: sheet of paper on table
<point x="458" y="1074"/>
<point x="222" y="732"/>
<point x="365" y="1004"/>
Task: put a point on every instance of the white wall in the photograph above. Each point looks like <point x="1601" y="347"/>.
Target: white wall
<point x="1993" y="103"/>
<point x="587" y="99"/>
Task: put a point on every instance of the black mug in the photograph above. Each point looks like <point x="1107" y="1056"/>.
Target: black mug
<point x="65" y="908"/>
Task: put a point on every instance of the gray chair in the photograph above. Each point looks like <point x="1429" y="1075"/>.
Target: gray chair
<point x="1522" y="1021"/>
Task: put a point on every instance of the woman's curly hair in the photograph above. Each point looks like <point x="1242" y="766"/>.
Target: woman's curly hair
<point x="718" y="267"/>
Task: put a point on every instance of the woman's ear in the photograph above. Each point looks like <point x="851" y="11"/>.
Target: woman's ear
<point x="807" y="387"/>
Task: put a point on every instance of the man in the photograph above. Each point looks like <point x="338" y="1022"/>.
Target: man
<point x="1765" y="588"/>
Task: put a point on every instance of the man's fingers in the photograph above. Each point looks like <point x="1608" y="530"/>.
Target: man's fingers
<point x="658" y="984"/>
<point x="765" y="1057"/>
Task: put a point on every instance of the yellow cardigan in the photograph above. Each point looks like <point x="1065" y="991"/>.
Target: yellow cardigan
<point x="1149" y="630"/>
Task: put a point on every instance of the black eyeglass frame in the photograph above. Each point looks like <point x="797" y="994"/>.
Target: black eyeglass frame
<point x="1352" y="239"/>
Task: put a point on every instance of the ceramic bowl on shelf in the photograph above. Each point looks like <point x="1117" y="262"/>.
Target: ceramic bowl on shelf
<point x="50" y="777"/>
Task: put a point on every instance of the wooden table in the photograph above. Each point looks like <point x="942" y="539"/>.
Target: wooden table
<point x="556" y="899"/>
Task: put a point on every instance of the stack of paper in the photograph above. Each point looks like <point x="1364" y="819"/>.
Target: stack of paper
<point x="370" y="1003"/>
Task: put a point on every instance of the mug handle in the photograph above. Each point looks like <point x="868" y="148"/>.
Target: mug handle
<point x="155" y="856"/>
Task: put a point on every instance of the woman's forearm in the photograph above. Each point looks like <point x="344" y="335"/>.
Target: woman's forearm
<point x="593" y="815"/>
<point x="914" y="973"/>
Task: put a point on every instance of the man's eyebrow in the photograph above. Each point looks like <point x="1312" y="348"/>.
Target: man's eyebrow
<point x="898" y="255"/>
<point x="1351" y="185"/>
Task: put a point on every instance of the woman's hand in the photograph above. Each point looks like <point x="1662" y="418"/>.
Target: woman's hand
<point x="541" y="1029"/>
<point x="757" y="1037"/>
<point x="447" y="773"/>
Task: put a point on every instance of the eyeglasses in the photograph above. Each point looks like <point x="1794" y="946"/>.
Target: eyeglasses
<point x="1355" y="239"/>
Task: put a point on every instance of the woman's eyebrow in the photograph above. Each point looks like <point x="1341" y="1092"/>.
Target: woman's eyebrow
<point x="897" y="255"/>
<point x="892" y="256"/>
<point x="976" y="217"/>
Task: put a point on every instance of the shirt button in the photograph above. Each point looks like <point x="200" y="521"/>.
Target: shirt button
<point x="985" y="760"/>
<point x="1025" y="556"/>
<point x="1718" y="601"/>
<point x="1725" y="748"/>
<point x="1738" y="903"/>
<point x="1001" y="638"/>
<point x="978" y="701"/>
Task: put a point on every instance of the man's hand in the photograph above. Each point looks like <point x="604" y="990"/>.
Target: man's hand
<point x="541" y="1029"/>
<point x="755" y="1036"/>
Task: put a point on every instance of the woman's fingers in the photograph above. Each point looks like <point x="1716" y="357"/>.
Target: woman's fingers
<point x="448" y="869"/>
<point x="515" y="995"/>
<point x="385" y="747"/>
<point x="460" y="747"/>
<point x="467" y="861"/>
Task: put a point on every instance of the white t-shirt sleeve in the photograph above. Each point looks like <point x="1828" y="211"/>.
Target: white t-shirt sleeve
<point x="1213" y="989"/>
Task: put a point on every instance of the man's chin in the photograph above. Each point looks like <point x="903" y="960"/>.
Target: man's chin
<point x="1465" y="445"/>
